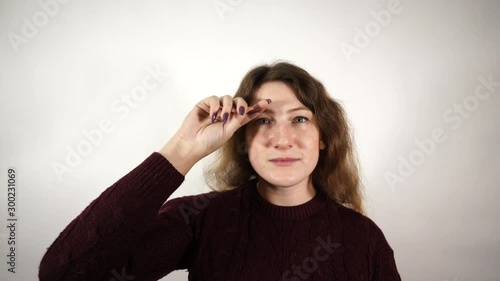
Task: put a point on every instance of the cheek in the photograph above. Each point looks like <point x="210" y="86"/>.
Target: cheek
<point x="254" y="151"/>
<point x="311" y="148"/>
<point x="250" y="146"/>
<point x="308" y="138"/>
<point x="256" y="159"/>
<point x="255" y="137"/>
<point x="248" y="142"/>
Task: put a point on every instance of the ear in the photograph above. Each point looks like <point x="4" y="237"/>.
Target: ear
<point x="321" y="145"/>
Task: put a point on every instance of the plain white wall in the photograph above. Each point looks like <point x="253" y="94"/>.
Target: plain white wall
<point x="411" y="75"/>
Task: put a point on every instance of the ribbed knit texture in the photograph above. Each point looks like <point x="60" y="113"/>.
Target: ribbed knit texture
<point x="128" y="233"/>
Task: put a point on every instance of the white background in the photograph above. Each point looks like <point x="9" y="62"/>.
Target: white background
<point x="402" y="84"/>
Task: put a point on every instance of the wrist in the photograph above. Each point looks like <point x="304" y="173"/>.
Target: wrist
<point x="179" y="154"/>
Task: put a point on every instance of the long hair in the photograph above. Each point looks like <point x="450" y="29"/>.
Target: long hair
<point x="337" y="171"/>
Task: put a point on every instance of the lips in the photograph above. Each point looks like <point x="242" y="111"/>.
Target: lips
<point x="284" y="161"/>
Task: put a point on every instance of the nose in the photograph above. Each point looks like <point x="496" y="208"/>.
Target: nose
<point x="282" y="136"/>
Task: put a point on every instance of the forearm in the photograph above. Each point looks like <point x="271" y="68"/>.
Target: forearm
<point x="102" y="237"/>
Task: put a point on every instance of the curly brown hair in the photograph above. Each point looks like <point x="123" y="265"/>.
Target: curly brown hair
<point x="337" y="171"/>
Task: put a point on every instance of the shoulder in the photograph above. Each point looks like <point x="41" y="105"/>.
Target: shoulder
<point x="192" y="206"/>
<point x="356" y="224"/>
<point x="348" y="215"/>
<point x="204" y="200"/>
<point x="366" y="242"/>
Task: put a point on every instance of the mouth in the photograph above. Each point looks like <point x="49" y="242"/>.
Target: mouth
<point x="283" y="161"/>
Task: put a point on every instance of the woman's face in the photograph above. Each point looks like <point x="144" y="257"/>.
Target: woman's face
<point x="284" y="141"/>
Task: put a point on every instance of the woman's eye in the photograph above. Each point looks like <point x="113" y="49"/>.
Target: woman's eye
<point x="262" y="121"/>
<point x="301" y="119"/>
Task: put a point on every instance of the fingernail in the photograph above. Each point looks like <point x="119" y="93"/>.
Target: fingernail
<point x="268" y="101"/>
<point x="214" y="116"/>
<point x="224" y="117"/>
<point x="242" y="110"/>
<point x="253" y="111"/>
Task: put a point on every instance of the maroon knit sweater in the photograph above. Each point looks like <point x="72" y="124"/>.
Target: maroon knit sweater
<point x="128" y="233"/>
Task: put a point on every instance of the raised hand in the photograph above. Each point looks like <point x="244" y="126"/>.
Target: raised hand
<point x="210" y="124"/>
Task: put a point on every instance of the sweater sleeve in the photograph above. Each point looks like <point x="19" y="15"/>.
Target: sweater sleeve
<point x="122" y="234"/>
<point x="384" y="264"/>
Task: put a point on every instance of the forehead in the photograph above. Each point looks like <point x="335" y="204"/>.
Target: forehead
<point x="279" y="92"/>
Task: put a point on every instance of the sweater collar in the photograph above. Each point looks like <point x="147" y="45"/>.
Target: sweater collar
<point x="297" y="212"/>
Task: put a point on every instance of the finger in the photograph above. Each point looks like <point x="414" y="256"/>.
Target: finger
<point x="235" y="119"/>
<point x="256" y="109"/>
<point x="240" y="106"/>
<point x="252" y="113"/>
<point x="227" y="105"/>
<point x="211" y="106"/>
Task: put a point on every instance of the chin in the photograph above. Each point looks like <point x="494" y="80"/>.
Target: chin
<point x="284" y="181"/>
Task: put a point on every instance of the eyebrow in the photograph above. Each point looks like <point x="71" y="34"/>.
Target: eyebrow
<point x="290" y="110"/>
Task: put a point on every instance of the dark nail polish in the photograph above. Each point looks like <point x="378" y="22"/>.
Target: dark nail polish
<point x="268" y="101"/>
<point x="253" y="111"/>
<point x="242" y="110"/>
<point x="214" y="116"/>
<point x="224" y="117"/>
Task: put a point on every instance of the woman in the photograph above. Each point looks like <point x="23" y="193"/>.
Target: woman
<point x="288" y="205"/>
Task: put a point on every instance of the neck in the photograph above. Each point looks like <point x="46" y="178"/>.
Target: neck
<point x="288" y="195"/>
